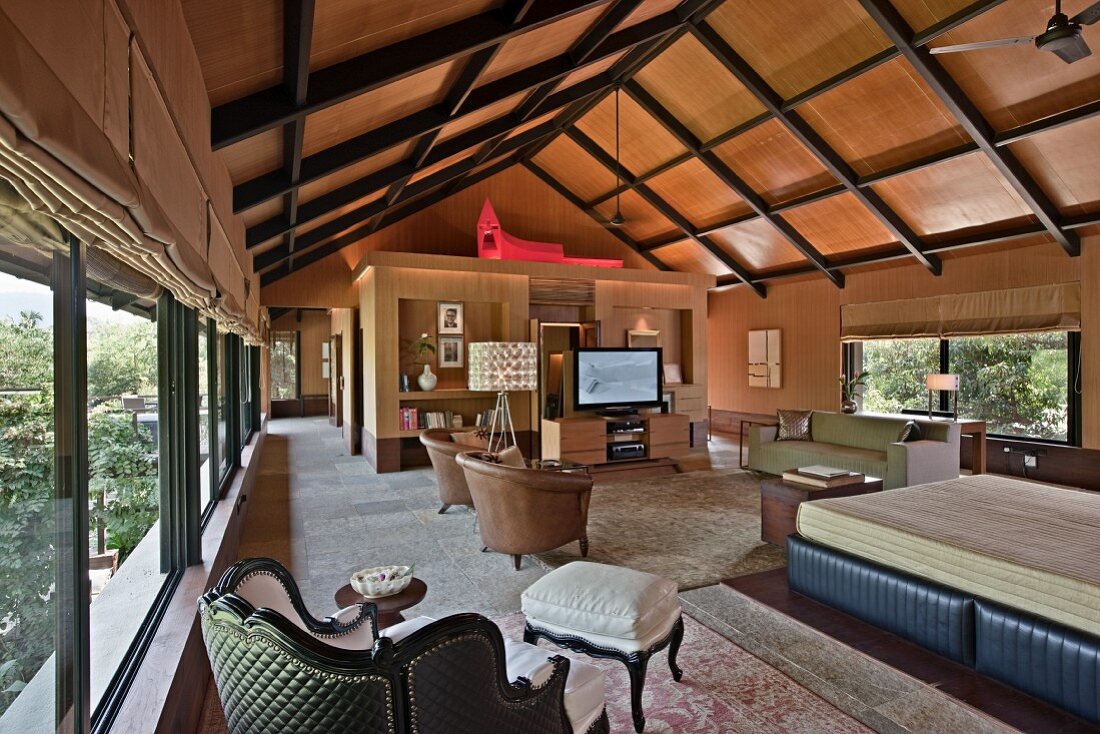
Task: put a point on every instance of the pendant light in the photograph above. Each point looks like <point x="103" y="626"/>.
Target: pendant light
<point x="618" y="219"/>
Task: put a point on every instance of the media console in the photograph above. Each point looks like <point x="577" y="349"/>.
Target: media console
<point x="647" y="443"/>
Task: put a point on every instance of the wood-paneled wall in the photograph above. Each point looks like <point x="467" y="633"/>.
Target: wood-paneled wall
<point x="344" y="323"/>
<point x="314" y="327"/>
<point x="808" y="312"/>
<point x="526" y="206"/>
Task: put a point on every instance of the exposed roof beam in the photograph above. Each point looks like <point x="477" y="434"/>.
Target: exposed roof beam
<point x="297" y="41"/>
<point x="250" y="115"/>
<point x="829" y="158"/>
<point x="968" y="115"/>
<point x="667" y="210"/>
<point x="598" y="32"/>
<point x="572" y="198"/>
<point x="950" y="23"/>
<point x="354" y="236"/>
<point x="732" y="180"/>
<point x="372" y="142"/>
<point x="1084" y="112"/>
<point x="842" y="77"/>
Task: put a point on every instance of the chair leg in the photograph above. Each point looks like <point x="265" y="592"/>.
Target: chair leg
<point x="444" y="508"/>
<point x="517" y="560"/>
<point x="584" y="547"/>
<point x="637" y="669"/>
<point x="674" y="647"/>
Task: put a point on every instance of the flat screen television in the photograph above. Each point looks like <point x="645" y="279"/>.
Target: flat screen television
<point x="606" y="379"/>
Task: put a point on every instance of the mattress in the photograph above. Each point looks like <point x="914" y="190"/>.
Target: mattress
<point x="1028" y="546"/>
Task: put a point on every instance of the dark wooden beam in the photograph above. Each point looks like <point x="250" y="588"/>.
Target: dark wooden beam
<point x="971" y="119"/>
<point x="297" y="41"/>
<point x="744" y="127"/>
<point x="354" y="236"/>
<point x="576" y="201"/>
<point x="250" y="115"/>
<point x="598" y="32"/>
<point x="328" y="161"/>
<point x="667" y="210"/>
<point x="732" y="180"/>
<point x="923" y="162"/>
<point x="829" y="158"/>
<point x="888" y="54"/>
<point x="953" y="21"/>
<point x="1077" y="114"/>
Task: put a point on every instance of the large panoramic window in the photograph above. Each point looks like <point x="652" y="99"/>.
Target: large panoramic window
<point x="1021" y="385"/>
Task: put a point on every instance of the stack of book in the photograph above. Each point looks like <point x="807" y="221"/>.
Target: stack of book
<point x="825" y="477"/>
<point x="410" y="419"/>
<point x="486" y="417"/>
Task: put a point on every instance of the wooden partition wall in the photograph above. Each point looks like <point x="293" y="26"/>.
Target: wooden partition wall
<point x="398" y="293"/>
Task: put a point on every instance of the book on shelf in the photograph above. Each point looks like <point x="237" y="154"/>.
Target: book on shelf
<point x="486" y="418"/>
<point x="800" y="476"/>
<point x="414" y="419"/>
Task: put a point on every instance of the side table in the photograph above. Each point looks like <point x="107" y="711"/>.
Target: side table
<point x="389" y="607"/>
<point x="779" y="501"/>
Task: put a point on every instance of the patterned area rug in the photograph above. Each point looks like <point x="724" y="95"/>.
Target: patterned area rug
<point x="724" y="689"/>
<point x="695" y="528"/>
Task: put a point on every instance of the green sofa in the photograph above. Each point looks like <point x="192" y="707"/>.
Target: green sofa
<point x="863" y="443"/>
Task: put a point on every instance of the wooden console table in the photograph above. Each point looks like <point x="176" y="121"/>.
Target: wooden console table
<point x="586" y="440"/>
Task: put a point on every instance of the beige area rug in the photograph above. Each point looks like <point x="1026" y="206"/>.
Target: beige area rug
<point x="695" y="528"/>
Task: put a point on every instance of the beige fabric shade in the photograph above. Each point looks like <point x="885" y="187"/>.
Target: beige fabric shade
<point x="1040" y="308"/>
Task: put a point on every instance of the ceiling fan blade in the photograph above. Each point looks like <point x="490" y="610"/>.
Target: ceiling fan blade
<point x="1088" y="16"/>
<point x="982" y="44"/>
<point x="1075" y="52"/>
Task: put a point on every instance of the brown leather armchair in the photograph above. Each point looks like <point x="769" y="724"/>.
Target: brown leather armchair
<point x="524" y="511"/>
<point x="448" y="474"/>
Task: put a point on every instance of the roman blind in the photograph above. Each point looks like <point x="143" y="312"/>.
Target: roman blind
<point x="1038" y="308"/>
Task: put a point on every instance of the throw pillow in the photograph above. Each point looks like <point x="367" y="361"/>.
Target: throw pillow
<point x="511" y="456"/>
<point x="910" y="432"/>
<point x="794" y="425"/>
<point x="478" y="439"/>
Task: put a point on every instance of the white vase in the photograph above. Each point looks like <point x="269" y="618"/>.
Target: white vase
<point x="426" y="379"/>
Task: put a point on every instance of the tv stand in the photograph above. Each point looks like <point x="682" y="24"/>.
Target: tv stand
<point x="632" y="445"/>
<point x="618" y="413"/>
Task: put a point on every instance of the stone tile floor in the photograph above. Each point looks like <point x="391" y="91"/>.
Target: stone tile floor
<point x="325" y="514"/>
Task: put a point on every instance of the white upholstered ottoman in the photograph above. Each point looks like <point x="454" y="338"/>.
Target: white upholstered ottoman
<point x="608" y="612"/>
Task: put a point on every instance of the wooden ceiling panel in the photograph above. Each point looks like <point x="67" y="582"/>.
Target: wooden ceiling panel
<point x="774" y="163"/>
<point x="690" y="257"/>
<point x="696" y="193"/>
<point x="645" y="143"/>
<point x="485" y="114"/>
<point x="344" y="176"/>
<point x="1020" y="84"/>
<point x="796" y="44"/>
<point x="437" y="167"/>
<point x="337" y="213"/>
<point x="1066" y="163"/>
<point x="883" y="118"/>
<point x="840" y="225"/>
<point x="343" y="29"/>
<point x="533" y="122"/>
<point x="263" y="212"/>
<point x="539" y="45"/>
<point x="361" y="114"/>
<point x="643" y="222"/>
<point x="254" y="156"/>
<point x="587" y="72"/>
<point x="676" y="79"/>
<point x="647" y="10"/>
<point x="573" y="168"/>
<point x="960" y="194"/>
<point x="239" y="44"/>
<point x="757" y="245"/>
<point x="921" y="14"/>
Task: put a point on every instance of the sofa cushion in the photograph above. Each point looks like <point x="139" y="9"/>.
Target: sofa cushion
<point x="598" y="599"/>
<point x="910" y="432"/>
<point x="794" y="425"/>
<point x="858" y="431"/>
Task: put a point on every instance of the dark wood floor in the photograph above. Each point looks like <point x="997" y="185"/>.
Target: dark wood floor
<point x="985" y="694"/>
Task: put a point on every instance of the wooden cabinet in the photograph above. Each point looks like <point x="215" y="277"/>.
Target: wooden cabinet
<point x="585" y="440"/>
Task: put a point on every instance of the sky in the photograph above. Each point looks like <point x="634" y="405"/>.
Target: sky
<point x="18" y="295"/>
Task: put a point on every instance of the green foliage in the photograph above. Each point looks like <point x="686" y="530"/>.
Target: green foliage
<point x="123" y="474"/>
<point x="122" y="358"/>
<point x="26" y="361"/>
<point x="850" y="386"/>
<point x="283" y="371"/>
<point x="899" y="368"/>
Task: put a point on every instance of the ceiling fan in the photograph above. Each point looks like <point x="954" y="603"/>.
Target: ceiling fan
<point x="1062" y="36"/>
<point x="617" y="219"/>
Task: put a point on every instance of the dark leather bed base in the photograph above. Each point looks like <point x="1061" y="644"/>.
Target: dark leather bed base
<point x="1042" y="658"/>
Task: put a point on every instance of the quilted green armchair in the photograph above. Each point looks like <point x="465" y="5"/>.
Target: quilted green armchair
<point x="278" y="669"/>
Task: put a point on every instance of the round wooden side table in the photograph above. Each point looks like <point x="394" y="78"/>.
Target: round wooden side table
<point x="389" y="607"/>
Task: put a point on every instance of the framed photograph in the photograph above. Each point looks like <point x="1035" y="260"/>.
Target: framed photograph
<point x="450" y="318"/>
<point x="450" y="351"/>
<point x="673" y="376"/>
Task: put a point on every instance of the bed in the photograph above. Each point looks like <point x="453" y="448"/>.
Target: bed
<point x="992" y="572"/>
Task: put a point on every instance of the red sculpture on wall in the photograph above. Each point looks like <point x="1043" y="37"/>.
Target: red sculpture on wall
<point x="496" y="244"/>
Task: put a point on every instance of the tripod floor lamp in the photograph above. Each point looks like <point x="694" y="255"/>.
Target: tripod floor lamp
<point x="503" y="367"/>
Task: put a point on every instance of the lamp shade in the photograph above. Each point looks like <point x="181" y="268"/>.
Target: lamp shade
<point x="503" y="366"/>
<point x="949" y="383"/>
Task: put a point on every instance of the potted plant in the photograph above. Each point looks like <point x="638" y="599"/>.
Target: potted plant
<point x="424" y="346"/>
<point x="849" y="388"/>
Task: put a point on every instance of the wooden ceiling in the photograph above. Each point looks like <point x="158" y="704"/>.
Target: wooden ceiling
<point x="758" y="139"/>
